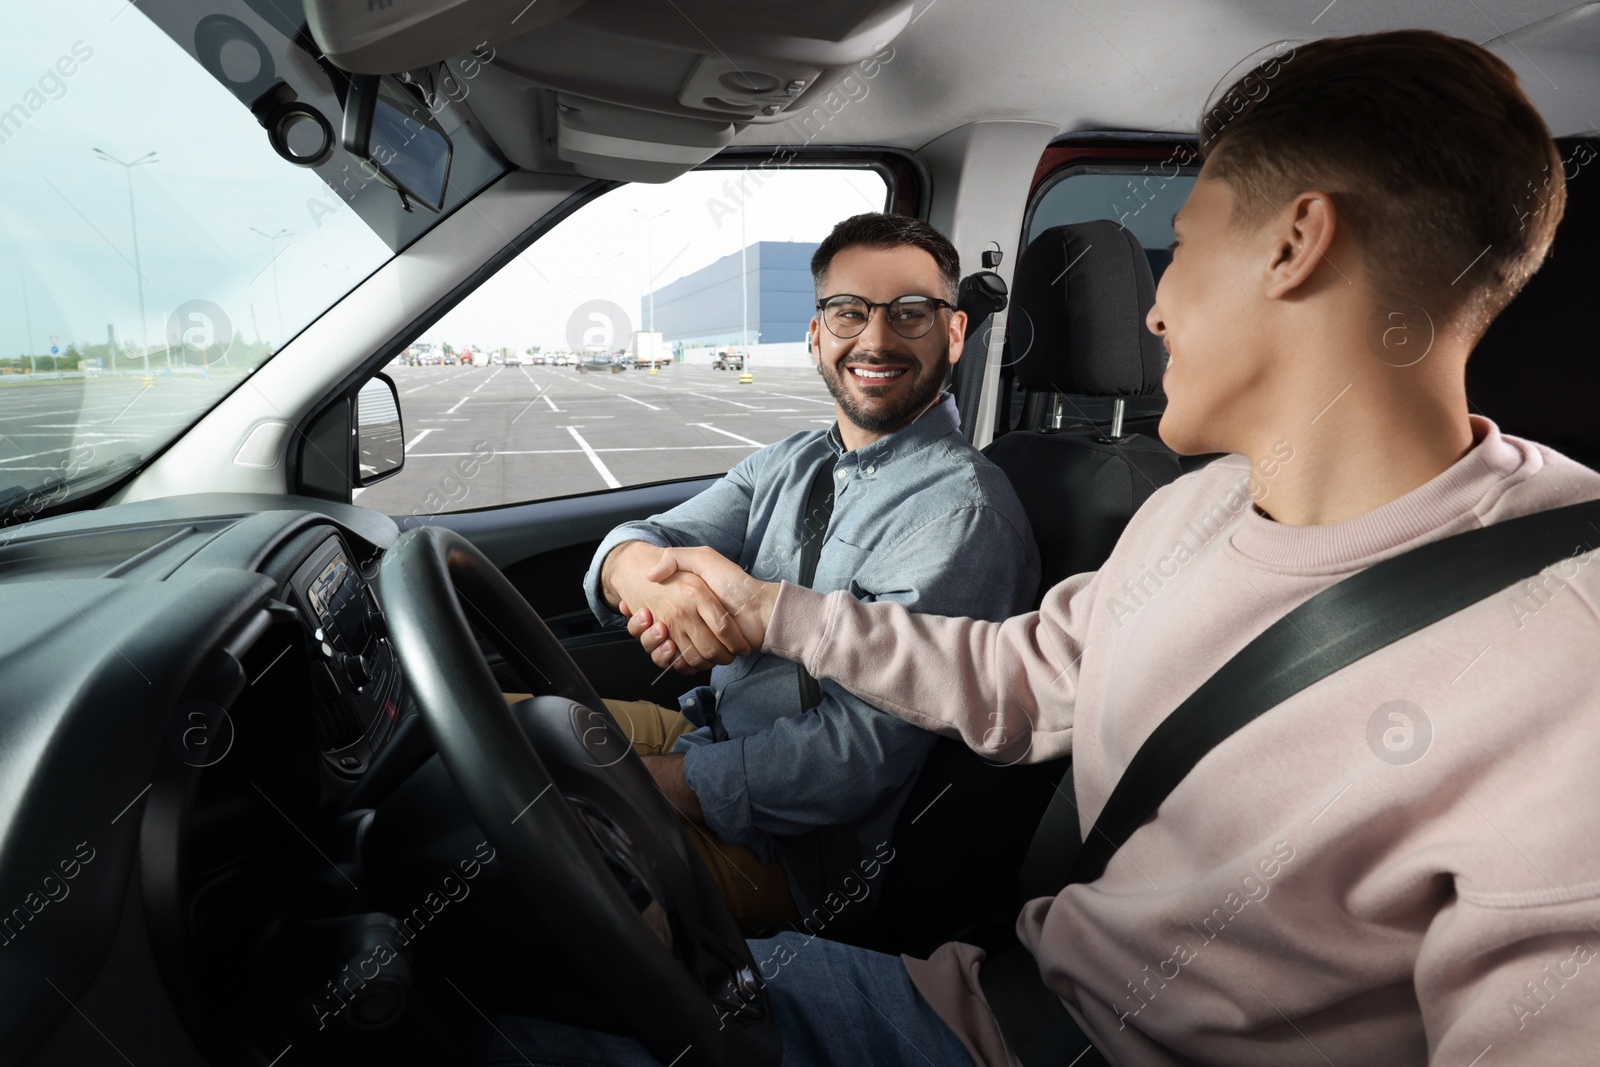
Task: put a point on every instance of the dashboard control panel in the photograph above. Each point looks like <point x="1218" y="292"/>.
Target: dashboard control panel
<point x="353" y="669"/>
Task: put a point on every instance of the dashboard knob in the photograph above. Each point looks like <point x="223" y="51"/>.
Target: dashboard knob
<point x="355" y="668"/>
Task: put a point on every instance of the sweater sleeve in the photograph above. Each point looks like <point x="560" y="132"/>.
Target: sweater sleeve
<point x="833" y="764"/>
<point x="1007" y="689"/>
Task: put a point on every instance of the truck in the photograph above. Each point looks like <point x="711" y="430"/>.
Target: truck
<point x="648" y="351"/>
<point x="480" y="357"/>
<point x="728" y="359"/>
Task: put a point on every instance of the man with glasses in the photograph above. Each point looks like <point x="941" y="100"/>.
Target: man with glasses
<point x="790" y="788"/>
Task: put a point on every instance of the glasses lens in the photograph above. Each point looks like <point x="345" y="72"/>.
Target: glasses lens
<point x="845" y="316"/>
<point x="912" y="316"/>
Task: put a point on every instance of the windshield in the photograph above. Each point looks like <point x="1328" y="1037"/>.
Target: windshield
<point x="154" y="248"/>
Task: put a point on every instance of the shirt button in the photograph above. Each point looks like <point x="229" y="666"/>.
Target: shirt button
<point x="689" y="703"/>
<point x="872" y="469"/>
<point x="841" y="474"/>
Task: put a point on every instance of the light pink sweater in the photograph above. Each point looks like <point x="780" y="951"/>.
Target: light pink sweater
<point x="1399" y="865"/>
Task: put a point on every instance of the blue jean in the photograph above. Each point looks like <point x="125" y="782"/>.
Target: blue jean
<point x="836" y="1005"/>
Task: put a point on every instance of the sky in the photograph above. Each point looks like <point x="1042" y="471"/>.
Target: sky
<point x="223" y="219"/>
<point x="607" y="250"/>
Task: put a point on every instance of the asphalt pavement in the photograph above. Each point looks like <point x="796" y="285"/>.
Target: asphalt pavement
<point x="474" y="436"/>
<point x="482" y="436"/>
<point x="59" y="427"/>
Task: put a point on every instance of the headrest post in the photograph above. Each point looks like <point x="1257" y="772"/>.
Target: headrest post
<point x="1056" y="409"/>
<point x="1118" y="406"/>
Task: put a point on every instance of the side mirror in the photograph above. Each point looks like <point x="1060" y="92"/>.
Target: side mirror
<point x="380" y="440"/>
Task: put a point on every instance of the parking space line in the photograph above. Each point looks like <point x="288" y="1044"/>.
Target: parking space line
<point x="424" y="385"/>
<point x="807" y="399"/>
<point x="487" y="380"/>
<point x="641" y="403"/>
<point x="412" y="443"/>
<point x="576" y="451"/>
<point x="599" y="464"/>
<point x="546" y="398"/>
<point x="725" y="433"/>
<point x="34" y="455"/>
<point x="736" y="403"/>
<point x="457" y="408"/>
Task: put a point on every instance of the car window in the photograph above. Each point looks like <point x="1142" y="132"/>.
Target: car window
<point x="154" y="248"/>
<point x="621" y="349"/>
<point x="1141" y="197"/>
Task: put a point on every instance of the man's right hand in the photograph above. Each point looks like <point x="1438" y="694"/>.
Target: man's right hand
<point x="706" y="632"/>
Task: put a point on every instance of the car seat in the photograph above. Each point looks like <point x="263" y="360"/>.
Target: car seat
<point x="1077" y="327"/>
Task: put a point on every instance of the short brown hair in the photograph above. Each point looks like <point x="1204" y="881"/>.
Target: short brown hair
<point x="876" y="229"/>
<point x="1432" y="154"/>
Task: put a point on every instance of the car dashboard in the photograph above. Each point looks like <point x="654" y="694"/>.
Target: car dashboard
<point x="193" y="691"/>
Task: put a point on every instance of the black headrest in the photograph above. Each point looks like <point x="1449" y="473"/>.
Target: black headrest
<point x="981" y="295"/>
<point x="1080" y="296"/>
<point x="1534" y="372"/>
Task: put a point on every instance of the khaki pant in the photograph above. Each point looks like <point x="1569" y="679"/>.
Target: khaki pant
<point x="757" y="893"/>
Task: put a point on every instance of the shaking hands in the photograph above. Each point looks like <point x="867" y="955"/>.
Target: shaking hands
<point x="689" y="607"/>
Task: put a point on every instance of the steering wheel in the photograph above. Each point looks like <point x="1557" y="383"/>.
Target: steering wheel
<point x="584" y="832"/>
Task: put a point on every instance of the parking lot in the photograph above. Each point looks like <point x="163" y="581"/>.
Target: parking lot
<point x="60" y="427"/>
<point x="556" y="432"/>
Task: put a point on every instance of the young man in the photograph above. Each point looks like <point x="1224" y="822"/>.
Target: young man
<point x="787" y="788"/>
<point x="1398" y="864"/>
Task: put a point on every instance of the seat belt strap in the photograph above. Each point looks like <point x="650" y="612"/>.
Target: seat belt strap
<point x="817" y="859"/>
<point x="1340" y="625"/>
<point x="813" y="531"/>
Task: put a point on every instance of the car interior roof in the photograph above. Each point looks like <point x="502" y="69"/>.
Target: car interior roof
<point x="1149" y="65"/>
<point x="638" y="82"/>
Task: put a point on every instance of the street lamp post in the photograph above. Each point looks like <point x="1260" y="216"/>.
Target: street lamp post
<point x="744" y="280"/>
<point x="650" y="261"/>
<point x="133" y="223"/>
<point x="27" y="317"/>
<point x="277" y="298"/>
<point x="610" y="280"/>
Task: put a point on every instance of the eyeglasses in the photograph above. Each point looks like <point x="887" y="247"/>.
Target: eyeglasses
<point x="910" y="316"/>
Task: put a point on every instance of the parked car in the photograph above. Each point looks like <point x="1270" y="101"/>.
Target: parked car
<point x="600" y="362"/>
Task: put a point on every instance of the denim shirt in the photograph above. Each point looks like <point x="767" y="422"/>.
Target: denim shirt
<point x="920" y="518"/>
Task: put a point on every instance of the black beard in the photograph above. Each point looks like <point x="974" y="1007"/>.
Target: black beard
<point x="924" y="388"/>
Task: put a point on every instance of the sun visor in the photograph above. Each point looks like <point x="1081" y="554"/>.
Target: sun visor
<point x="384" y="38"/>
<point x="626" y="144"/>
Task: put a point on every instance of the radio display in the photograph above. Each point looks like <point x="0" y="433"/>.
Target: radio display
<point x="324" y="592"/>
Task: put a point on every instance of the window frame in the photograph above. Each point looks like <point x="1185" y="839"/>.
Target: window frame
<point x="1065" y="158"/>
<point x="1069" y="157"/>
<point x="909" y="191"/>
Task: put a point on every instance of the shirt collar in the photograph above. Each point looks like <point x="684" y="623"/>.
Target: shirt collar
<point x="936" y="422"/>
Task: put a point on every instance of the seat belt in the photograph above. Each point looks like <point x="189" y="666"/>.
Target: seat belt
<point x="816" y="860"/>
<point x="1345" y="622"/>
<point x="1340" y="625"/>
<point x="813" y="531"/>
